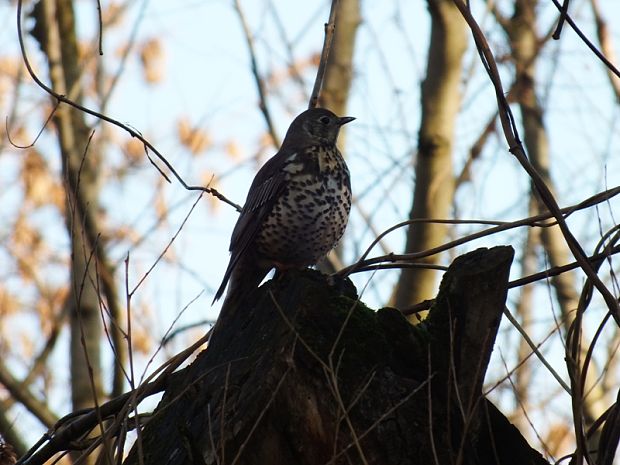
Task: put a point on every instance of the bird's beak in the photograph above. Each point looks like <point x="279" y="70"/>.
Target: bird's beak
<point x="345" y="120"/>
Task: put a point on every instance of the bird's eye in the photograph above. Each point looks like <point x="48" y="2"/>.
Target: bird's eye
<point x="324" y="119"/>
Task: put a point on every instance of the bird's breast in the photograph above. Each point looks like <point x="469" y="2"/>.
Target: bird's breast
<point x="310" y="215"/>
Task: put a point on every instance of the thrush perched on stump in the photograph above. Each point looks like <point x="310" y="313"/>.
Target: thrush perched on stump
<point x="297" y="207"/>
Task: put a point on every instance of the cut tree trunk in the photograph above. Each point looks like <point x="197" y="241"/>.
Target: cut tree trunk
<point x="307" y="374"/>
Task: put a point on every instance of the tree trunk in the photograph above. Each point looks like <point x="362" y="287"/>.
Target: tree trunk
<point x="336" y="85"/>
<point x="81" y="187"/>
<point x="525" y="50"/>
<point x="307" y="374"/>
<point x="434" y="183"/>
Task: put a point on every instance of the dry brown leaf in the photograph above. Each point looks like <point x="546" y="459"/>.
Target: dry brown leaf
<point x="152" y="57"/>
<point x="233" y="150"/>
<point x="25" y="268"/>
<point x="141" y="333"/>
<point x="48" y="307"/>
<point x="161" y="206"/>
<point x="141" y="341"/>
<point x="10" y="66"/>
<point x="265" y="141"/>
<point x="38" y="183"/>
<point x="9" y="303"/>
<point x="558" y="439"/>
<point x="112" y="14"/>
<point x="121" y="50"/>
<point x="278" y="77"/>
<point x="57" y="197"/>
<point x="196" y="140"/>
<point x="24" y="236"/>
<point x="27" y="346"/>
<point x="124" y="233"/>
<point x="134" y="150"/>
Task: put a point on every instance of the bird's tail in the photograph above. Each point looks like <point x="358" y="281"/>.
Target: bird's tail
<point x="244" y="280"/>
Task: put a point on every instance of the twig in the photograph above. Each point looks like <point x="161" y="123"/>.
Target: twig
<point x="330" y="28"/>
<point x="76" y="424"/>
<point x="534" y="348"/>
<point x="516" y="148"/>
<point x="163" y="252"/>
<point x="100" y="24"/>
<point x="538" y="221"/>
<point x="563" y="15"/>
<point x="545" y="274"/>
<point x="586" y="41"/>
<point x="606" y="44"/>
<point x="132" y="132"/>
<point x="260" y="83"/>
<point x="36" y="138"/>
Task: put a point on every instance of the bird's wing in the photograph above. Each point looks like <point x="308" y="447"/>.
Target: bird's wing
<point x="269" y="182"/>
<point x="265" y="189"/>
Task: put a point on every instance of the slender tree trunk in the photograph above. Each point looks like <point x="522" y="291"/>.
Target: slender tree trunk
<point x="523" y="376"/>
<point x="339" y="68"/>
<point x="337" y="83"/>
<point x="434" y="186"/>
<point x="80" y="176"/>
<point x="525" y="50"/>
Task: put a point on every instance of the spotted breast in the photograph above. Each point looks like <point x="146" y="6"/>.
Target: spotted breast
<point x="297" y="207"/>
<point x="310" y="216"/>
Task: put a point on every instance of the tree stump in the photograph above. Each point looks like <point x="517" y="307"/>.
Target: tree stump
<point x="308" y="375"/>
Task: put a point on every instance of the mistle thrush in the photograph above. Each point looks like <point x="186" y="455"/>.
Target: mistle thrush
<point x="297" y="207"/>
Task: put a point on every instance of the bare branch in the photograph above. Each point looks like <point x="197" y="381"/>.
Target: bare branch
<point x="330" y="28"/>
<point x="516" y="148"/>
<point x="587" y="41"/>
<point x="607" y="46"/>
<point x="538" y="221"/>
<point x="132" y="132"/>
<point x="260" y="83"/>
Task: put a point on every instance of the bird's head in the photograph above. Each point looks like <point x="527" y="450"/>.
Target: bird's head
<point x="317" y="124"/>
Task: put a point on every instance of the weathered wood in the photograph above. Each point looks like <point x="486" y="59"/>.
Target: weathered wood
<point x="307" y="375"/>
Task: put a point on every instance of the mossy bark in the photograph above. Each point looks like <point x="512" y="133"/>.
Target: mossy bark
<point x="307" y="374"/>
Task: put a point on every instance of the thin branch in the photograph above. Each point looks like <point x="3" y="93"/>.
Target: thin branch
<point x="100" y="25"/>
<point x="516" y="148"/>
<point x="163" y="252"/>
<point x="260" y="82"/>
<point x="76" y="424"/>
<point x="17" y="390"/>
<point x="587" y="41"/>
<point x="132" y="132"/>
<point x="538" y="221"/>
<point x="330" y="28"/>
<point x="36" y="138"/>
<point x="563" y="15"/>
<point x="534" y="348"/>
<point x="606" y="43"/>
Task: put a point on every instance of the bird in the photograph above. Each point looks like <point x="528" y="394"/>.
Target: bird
<point x="297" y="207"/>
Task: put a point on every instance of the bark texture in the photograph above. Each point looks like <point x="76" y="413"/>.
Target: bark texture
<point x="307" y="374"/>
<point x="434" y="180"/>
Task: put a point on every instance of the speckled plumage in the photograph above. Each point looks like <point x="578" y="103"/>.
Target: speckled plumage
<point x="297" y="207"/>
